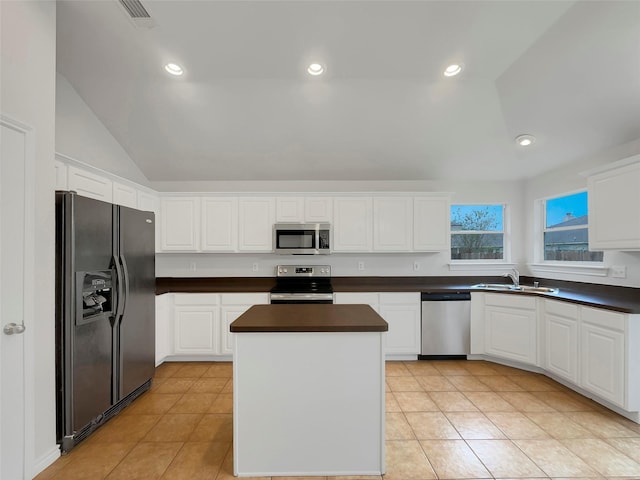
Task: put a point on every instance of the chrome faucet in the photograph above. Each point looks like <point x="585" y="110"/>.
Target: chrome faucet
<point x="514" y="276"/>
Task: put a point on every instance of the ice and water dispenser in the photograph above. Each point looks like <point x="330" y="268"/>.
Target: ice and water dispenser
<point x="95" y="295"/>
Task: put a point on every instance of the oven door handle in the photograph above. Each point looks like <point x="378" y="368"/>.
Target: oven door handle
<point x="301" y="296"/>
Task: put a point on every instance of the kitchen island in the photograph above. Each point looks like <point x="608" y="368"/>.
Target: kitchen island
<point x="308" y="385"/>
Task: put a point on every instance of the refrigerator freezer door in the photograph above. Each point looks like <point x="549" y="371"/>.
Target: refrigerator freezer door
<point x="84" y="346"/>
<point x="136" y="329"/>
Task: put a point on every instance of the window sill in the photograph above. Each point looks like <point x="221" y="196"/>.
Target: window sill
<point x="576" y="269"/>
<point x="481" y="266"/>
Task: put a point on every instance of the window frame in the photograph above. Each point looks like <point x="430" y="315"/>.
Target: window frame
<point x="500" y="264"/>
<point x="540" y="265"/>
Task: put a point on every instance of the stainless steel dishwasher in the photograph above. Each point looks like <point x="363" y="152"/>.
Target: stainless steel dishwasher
<point x="446" y="319"/>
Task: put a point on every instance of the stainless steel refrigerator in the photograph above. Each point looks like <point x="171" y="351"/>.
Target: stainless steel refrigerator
<point x="105" y="312"/>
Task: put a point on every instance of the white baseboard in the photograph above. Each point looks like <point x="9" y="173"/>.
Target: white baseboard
<point x="45" y="460"/>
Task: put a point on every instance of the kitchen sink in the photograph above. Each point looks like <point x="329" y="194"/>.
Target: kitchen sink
<point x="512" y="288"/>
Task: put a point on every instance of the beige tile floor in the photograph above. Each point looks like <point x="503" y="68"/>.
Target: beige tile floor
<point x="445" y="419"/>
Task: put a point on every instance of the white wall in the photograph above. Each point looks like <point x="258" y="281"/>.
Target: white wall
<point x="567" y="179"/>
<point x="81" y="136"/>
<point x="27" y="94"/>
<point x="343" y="264"/>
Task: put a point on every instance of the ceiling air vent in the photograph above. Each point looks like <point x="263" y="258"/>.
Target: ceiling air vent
<point x="137" y="13"/>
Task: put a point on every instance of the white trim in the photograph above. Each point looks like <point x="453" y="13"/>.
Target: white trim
<point x="480" y="266"/>
<point x="28" y="299"/>
<point x="44" y="461"/>
<point x="611" y="166"/>
<point x="598" y="270"/>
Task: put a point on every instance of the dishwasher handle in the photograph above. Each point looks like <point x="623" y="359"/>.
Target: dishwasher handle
<point x="445" y="296"/>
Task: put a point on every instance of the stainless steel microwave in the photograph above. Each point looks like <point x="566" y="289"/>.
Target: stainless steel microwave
<point x="302" y="238"/>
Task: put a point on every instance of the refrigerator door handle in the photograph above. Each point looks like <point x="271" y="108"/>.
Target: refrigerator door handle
<point x="123" y="261"/>
<point x="119" y="289"/>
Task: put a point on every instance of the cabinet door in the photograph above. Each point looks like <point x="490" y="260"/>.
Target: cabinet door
<point x="89" y="184"/>
<point x="180" y="224"/>
<point x="352" y="224"/>
<point x="603" y="368"/>
<point x="358" y="298"/>
<point x="392" y="224"/>
<point x="197" y="329"/>
<point x="402" y="313"/>
<point x="234" y="305"/>
<point x="125" y="195"/>
<point x="511" y="333"/>
<point x="219" y="224"/>
<point x="318" y="209"/>
<point x="257" y="216"/>
<point x="290" y="209"/>
<point x="562" y="346"/>
<point x="614" y="221"/>
<point x="431" y="223"/>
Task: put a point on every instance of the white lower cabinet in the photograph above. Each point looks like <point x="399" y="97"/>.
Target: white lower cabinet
<point x="196" y="324"/>
<point x="232" y="306"/>
<point x="561" y="339"/>
<point x="200" y="322"/>
<point x="511" y="327"/>
<point x="602" y="344"/>
<point x="400" y="310"/>
<point x="597" y="351"/>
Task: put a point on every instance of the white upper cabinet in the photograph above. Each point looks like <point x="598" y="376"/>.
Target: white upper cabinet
<point x="614" y="217"/>
<point x="219" y="224"/>
<point x="180" y="224"/>
<point x="89" y="184"/>
<point x="125" y="195"/>
<point x="304" y="209"/>
<point x="318" y="209"/>
<point x="148" y="202"/>
<point x="352" y="224"/>
<point x="256" y="219"/>
<point x="431" y="223"/>
<point x="290" y="209"/>
<point x="392" y="224"/>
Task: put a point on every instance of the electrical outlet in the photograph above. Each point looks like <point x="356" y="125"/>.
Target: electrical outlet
<point x="416" y="266"/>
<point x="254" y="267"/>
<point x="619" y="271"/>
<point x="360" y="266"/>
<point x="193" y="266"/>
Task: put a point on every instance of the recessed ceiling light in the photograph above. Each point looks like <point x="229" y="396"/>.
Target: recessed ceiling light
<point x="452" y="70"/>
<point x="525" y="140"/>
<point x="174" y="69"/>
<point x="315" y="69"/>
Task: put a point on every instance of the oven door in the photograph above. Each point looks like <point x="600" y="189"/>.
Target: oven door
<point x="300" y="298"/>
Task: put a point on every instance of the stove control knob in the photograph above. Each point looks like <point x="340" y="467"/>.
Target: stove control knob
<point x="285" y="270"/>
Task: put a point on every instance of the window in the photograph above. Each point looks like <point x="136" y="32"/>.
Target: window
<point x="566" y="228"/>
<point x="477" y="232"/>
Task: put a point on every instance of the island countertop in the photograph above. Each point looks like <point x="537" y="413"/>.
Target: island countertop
<point x="309" y="318"/>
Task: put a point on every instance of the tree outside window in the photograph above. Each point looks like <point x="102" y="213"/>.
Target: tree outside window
<point x="477" y="232"/>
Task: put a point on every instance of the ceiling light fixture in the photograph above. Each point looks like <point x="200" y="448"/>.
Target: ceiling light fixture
<point x="452" y="70"/>
<point x="315" y="69"/>
<point x="174" y="69"/>
<point x="525" y="140"/>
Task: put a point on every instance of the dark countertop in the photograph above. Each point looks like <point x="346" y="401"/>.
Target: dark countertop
<point x="621" y="299"/>
<point x="309" y="318"/>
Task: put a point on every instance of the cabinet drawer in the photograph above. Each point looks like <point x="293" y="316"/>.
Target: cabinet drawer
<point x="196" y="299"/>
<point x="603" y="318"/>
<point x="562" y="309"/>
<point x="244" y="298"/>
<point x="510" y="300"/>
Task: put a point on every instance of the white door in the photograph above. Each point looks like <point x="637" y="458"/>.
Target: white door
<point x="15" y="217"/>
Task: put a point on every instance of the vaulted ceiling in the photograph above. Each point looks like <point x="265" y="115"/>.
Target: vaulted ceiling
<point x="567" y="72"/>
